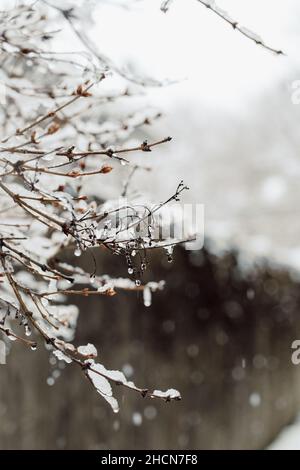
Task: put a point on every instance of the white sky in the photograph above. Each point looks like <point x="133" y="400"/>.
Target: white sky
<point x="224" y="74"/>
<point x="221" y="67"/>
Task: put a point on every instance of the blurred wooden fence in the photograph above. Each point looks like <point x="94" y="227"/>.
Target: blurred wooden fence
<point x="221" y="337"/>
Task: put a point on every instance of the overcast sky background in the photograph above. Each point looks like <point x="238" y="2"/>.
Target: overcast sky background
<point x="241" y="165"/>
<point x="234" y="127"/>
<point x="221" y="66"/>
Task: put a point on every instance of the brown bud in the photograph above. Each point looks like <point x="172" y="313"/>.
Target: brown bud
<point x="73" y="173"/>
<point x="106" y="169"/>
<point x="26" y="50"/>
<point x="33" y="137"/>
<point x="110" y="292"/>
<point x="81" y="92"/>
<point x="145" y="147"/>
<point x="53" y="128"/>
<point x="85" y="291"/>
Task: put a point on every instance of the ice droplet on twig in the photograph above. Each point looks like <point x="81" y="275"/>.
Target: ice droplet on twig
<point x="147" y="296"/>
<point x="77" y="252"/>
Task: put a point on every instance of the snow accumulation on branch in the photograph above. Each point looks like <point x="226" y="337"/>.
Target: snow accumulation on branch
<point x="213" y="7"/>
<point x="55" y="152"/>
<point x="58" y="146"/>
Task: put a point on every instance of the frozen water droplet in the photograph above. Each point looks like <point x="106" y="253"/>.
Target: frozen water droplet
<point x="128" y="370"/>
<point x="50" y="381"/>
<point x="147" y="296"/>
<point x="56" y="373"/>
<point x="77" y="252"/>
<point x="169" y="250"/>
<point x="137" y="282"/>
<point x="255" y="399"/>
<point x="27" y="330"/>
<point x="116" y="425"/>
<point x="137" y="419"/>
<point x="130" y="270"/>
<point x="33" y="347"/>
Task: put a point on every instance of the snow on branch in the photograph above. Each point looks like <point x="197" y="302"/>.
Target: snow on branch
<point x="57" y="150"/>
<point x="211" y="5"/>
